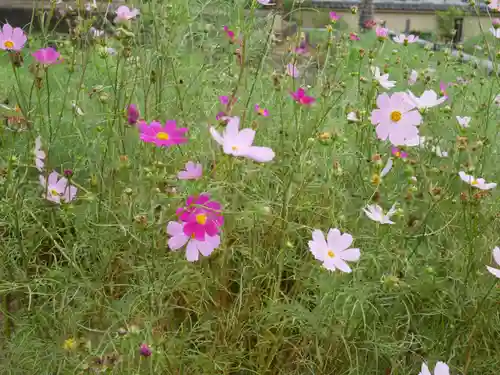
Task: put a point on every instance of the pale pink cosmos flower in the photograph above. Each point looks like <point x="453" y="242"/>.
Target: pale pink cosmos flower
<point x="405" y="39"/>
<point x="428" y="99"/>
<point x="353" y="117"/>
<point x="239" y="142"/>
<point x="495" y="5"/>
<point x="292" y="71"/>
<point x="463" y="121"/>
<point x="440" y="369"/>
<point x="334" y="17"/>
<point x="39" y="154"/>
<point x="58" y="189"/>
<point x="124" y="14"/>
<point x="261" y="111"/>
<point x="12" y="39"/>
<point x="395" y="118"/>
<point x="479" y="183"/>
<point x="162" y="135"/>
<point x="382" y="33"/>
<point x="376" y="213"/>
<point x="265" y="2"/>
<point x="496" y="258"/>
<point x="47" y="56"/>
<point x="412" y="79"/>
<point x="334" y="252"/>
<point x="193" y="171"/>
<point x="495" y="32"/>
<point x="194" y="247"/>
<point x="382" y="79"/>
<point x="495" y="22"/>
<point x="300" y="97"/>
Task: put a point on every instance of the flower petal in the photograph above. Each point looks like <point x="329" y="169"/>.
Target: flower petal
<point x="192" y="253"/>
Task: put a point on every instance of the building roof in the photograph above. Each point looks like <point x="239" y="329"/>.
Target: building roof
<point x="413" y="5"/>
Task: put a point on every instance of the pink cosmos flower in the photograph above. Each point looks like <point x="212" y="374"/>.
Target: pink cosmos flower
<point x="399" y="153"/>
<point x="224" y="100"/>
<point x="12" y="39"/>
<point x="162" y="135"/>
<point x="302" y="48"/>
<point x="300" y="97"/>
<point x="261" y="111"/>
<point x="202" y="216"/>
<point x="220" y="115"/>
<point x="382" y="33"/>
<point x="412" y="79"/>
<point x="334" y="16"/>
<point x="264" y="2"/>
<point x="47" y="56"/>
<point x="239" y="142"/>
<point x="230" y="33"/>
<point x="145" y="350"/>
<point x="370" y="24"/>
<point x="440" y="369"/>
<point x="132" y="114"/>
<point x="292" y="71"/>
<point x="495" y="22"/>
<point x="395" y="118"/>
<point x="479" y="183"/>
<point x="354" y="36"/>
<point x="335" y="251"/>
<point x="194" y="247"/>
<point x="193" y="171"/>
<point x="495" y="5"/>
<point x="442" y="88"/>
<point x="124" y="14"/>
<point x="58" y="189"/>
<point x="405" y="39"/>
<point x="428" y="99"/>
<point x="39" y="154"/>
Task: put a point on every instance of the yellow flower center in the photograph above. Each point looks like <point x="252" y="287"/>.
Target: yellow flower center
<point x="234" y="148"/>
<point x="474" y="182"/>
<point x="54" y="192"/>
<point x="261" y="111"/>
<point x="395" y="116"/>
<point x="8" y="44"/>
<point x="397" y="154"/>
<point x="201" y="219"/>
<point x="162" y="136"/>
<point x="331" y="254"/>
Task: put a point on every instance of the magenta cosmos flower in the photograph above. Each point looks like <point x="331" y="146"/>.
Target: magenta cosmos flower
<point x="334" y="17"/>
<point x="334" y="252"/>
<point x="300" y="97"/>
<point x="396" y="118"/>
<point x="132" y="114"/>
<point x="354" y="37"/>
<point x="193" y="171"/>
<point x="58" y="189"/>
<point x="47" y="56"/>
<point x="230" y="33"/>
<point x="261" y="111"/>
<point x="162" y="135"/>
<point x="239" y="142"/>
<point x="399" y="153"/>
<point x="124" y="14"/>
<point x="202" y="216"/>
<point x="194" y="247"/>
<point x="145" y="350"/>
<point x="12" y="39"/>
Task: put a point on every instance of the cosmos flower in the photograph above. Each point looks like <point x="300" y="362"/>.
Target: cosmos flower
<point x="334" y="17"/>
<point x="201" y="215"/>
<point x="124" y="14"/>
<point x="12" y="39"/>
<point x="264" y="2"/>
<point x="387" y="168"/>
<point x="463" y="121"/>
<point x="495" y="32"/>
<point x="162" y="135"/>
<point x="405" y="39"/>
<point x="443" y="86"/>
<point x="354" y="37"/>
<point x="479" y="183"/>
<point x="47" y="56"/>
<point x="352" y="117"/>
<point x="395" y="118"/>
<point x="382" y="79"/>
<point x="382" y="33"/>
<point x="193" y="171"/>
<point x="335" y="251"/>
<point x="261" y="111"/>
<point x="300" y="97"/>
<point x="439" y="152"/>
<point x="194" y="247"/>
<point x="145" y="350"/>
<point x="440" y="369"/>
<point x="428" y="99"/>
<point x="39" y="154"/>
<point x="399" y="153"/>
<point x="376" y="213"/>
<point x="496" y="258"/>
<point x="58" y="189"/>
<point x="292" y="71"/>
<point x="230" y="33"/>
<point x="495" y="5"/>
<point x="132" y="114"/>
<point x="412" y="79"/>
<point x="96" y="33"/>
<point x="369" y="24"/>
<point x="239" y="142"/>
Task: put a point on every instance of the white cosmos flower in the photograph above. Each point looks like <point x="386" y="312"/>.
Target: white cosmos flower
<point x="351" y="116"/>
<point x="440" y="369"/>
<point x="439" y="152"/>
<point x="376" y="213"/>
<point x="428" y="99"/>
<point x="479" y="183"/>
<point x="412" y="79"/>
<point x="495" y="32"/>
<point x="496" y="258"/>
<point x="382" y="79"/>
<point x="463" y="121"/>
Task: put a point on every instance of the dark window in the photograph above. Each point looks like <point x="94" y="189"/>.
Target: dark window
<point x="459" y="30"/>
<point x="407" y="26"/>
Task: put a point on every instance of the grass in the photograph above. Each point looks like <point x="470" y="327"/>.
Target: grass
<point x="84" y="284"/>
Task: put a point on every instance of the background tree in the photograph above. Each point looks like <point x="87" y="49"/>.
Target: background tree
<point x="366" y="11"/>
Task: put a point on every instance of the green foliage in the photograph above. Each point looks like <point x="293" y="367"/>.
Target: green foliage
<point x="446" y="22"/>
